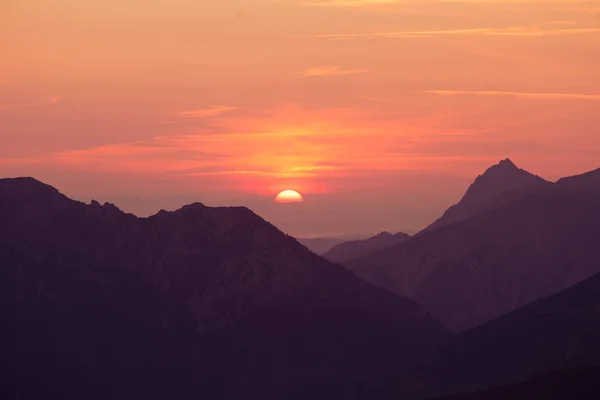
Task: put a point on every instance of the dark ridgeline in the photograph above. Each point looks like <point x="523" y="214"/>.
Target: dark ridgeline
<point x="359" y="248"/>
<point x="541" y="240"/>
<point x="558" y="333"/>
<point x="198" y="303"/>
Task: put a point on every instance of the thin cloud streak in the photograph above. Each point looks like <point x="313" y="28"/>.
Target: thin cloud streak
<point x="369" y="3"/>
<point x="509" y="31"/>
<point x="331" y="70"/>
<point x="525" y="95"/>
<point x="52" y="101"/>
<point x="205" y="112"/>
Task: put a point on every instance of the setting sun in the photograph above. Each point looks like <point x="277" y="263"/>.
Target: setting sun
<point x="289" y="196"/>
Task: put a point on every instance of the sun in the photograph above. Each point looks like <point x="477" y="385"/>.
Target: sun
<point x="289" y="196"/>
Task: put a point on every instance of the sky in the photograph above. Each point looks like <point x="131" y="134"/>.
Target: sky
<point x="379" y="112"/>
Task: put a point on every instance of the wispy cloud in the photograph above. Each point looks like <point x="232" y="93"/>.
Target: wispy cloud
<point x="331" y="70"/>
<point x="205" y="112"/>
<point x="534" y="31"/>
<point x="367" y="3"/>
<point x="51" y="101"/>
<point x="525" y="95"/>
<point x="347" y="3"/>
<point x="376" y="99"/>
<point x="3" y="81"/>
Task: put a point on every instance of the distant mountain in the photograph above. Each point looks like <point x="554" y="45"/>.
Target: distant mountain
<point x="359" y="248"/>
<point x="580" y="384"/>
<point x="320" y="245"/>
<point x="200" y="302"/>
<point x="560" y="332"/>
<point x="476" y="270"/>
<point x="498" y="185"/>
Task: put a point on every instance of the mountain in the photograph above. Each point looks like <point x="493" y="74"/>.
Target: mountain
<point x="200" y="302"/>
<point x="581" y="384"/>
<point x="320" y="245"/>
<point x="359" y="248"/>
<point x="498" y="185"/>
<point x="557" y="333"/>
<point x="473" y="271"/>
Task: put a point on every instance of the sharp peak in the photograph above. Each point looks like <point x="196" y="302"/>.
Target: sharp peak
<point x="507" y="162"/>
<point x="504" y="166"/>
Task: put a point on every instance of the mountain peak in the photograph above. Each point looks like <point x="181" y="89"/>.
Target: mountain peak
<point x="507" y="163"/>
<point x="383" y="234"/>
<point x="498" y="179"/>
<point x="505" y="166"/>
<point x="499" y="184"/>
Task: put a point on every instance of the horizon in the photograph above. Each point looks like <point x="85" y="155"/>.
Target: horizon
<point x="336" y="236"/>
<point x="379" y="113"/>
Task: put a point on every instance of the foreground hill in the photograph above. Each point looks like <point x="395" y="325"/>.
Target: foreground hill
<point x="580" y="384"/>
<point x="204" y="301"/>
<point x="498" y="185"/>
<point x="560" y="332"/>
<point x="476" y="270"/>
<point x="358" y="248"/>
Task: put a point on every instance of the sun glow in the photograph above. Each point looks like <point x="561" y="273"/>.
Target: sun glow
<point x="289" y="196"/>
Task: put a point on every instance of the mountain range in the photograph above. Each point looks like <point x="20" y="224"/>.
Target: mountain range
<point x="217" y="303"/>
<point x="535" y="242"/>
<point x="97" y="303"/>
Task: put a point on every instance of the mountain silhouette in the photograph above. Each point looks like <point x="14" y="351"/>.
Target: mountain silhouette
<point x="557" y="333"/>
<point x="473" y="271"/>
<point x="498" y="185"/>
<point x="200" y="302"/>
<point x="359" y="248"/>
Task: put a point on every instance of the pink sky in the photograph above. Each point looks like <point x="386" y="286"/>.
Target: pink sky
<point x="379" y="112"/>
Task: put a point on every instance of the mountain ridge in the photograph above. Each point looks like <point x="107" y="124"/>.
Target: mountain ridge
<point x="358" y="248"/>
<point x="253" y="306"/>
<point x="475" y="270"/>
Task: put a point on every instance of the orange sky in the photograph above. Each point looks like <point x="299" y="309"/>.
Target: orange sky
<point x="379" y="112"/>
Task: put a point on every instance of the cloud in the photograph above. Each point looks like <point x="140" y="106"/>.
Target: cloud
<point x="516" y="31"/>
<point x="3" y="81"/>
<point x="375" y="99"/>
<point x="205" y="112"/>
<point x="331" y="70"/>
<point x="525" y="95"/>
<point x="52" y="101"/>
<point x="367" y="3"/>
<point x="347" y="3"/>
